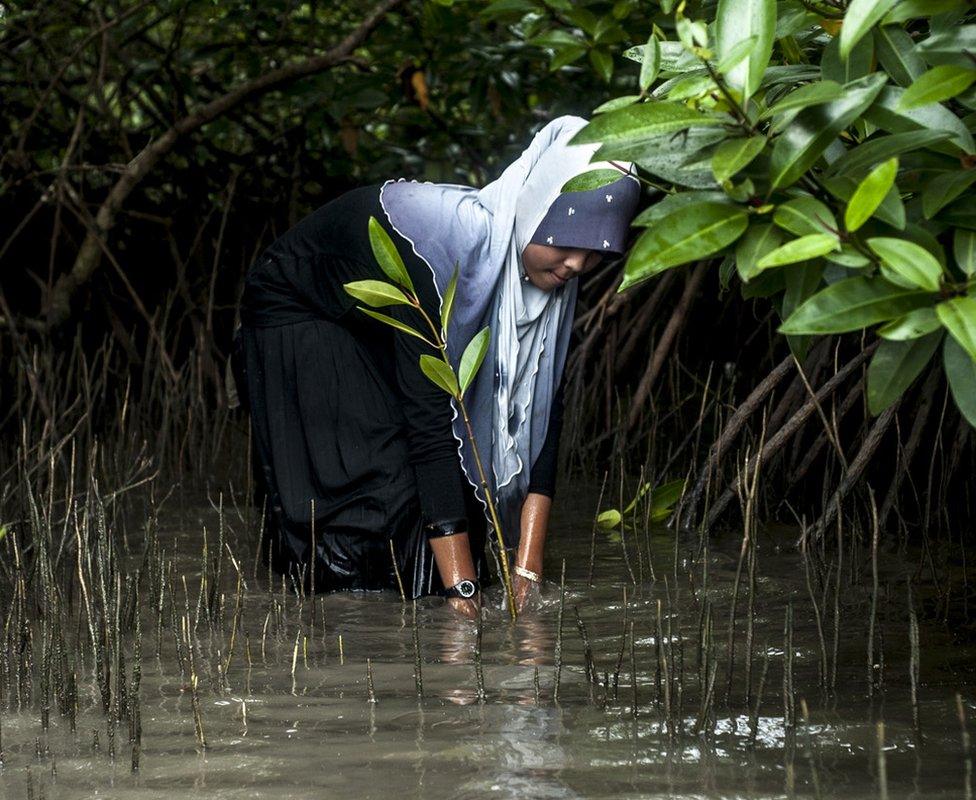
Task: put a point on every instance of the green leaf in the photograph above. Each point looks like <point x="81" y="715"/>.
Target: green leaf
<point x="607" y="31"/>
<point x="616" y="102"/>
<point x="736" y="55"/>
<point x="592" y="179"/>
<point x="447" y="304"/>
<point x="387" y="256"/>
<point x="958" y="315"/>
<point x="912" y="325"/>
<point x="582" y="18"/>
<point x="687" y="235"/>
<point x="642" y="121"/>
<point x="789" y="75"/>
<point x="801" y="280"/>
<point x="938" y="84"/>
<point x="674" y="57"/>
<point x="869" y="194"/>
<point x="964" y="249"/>
<point x="472" y="357"/>
<point x="891" y="210"/>
<point x="507" y="7"/>
<point x="691" y="33"/>
<point x="960" y="214"/>
<point x="672" y="202"/>
<point x="765" y="284"/>
<point x="804" y="215"/>
<point x="376" y="293"/>
<point x="944" y="188"/>
<point x="895" y="366"/>
<point x="692" y="84"/>
<point x="792" y="18"/>
<point x="911" y="9"/>
<point x="887" y="114"/>
<point x="803" y="142"/>
<point x="670" y="156"/>
<point x="736" y="20"/>
<point x="608" y="520"/>
<point x="951" y="46"/>
<point x="644" y="488"/>
<point x="651" y="63"/>
<point x="395" y="323"/>
<point x="960" y="369"/>
<point x="847" y="256"/>
<point x="860" y="17"/>
<point x="566" y="54"/>
<point x="664" y="498"/>
<point x="806" y="247"/>
<point x="758" y="241"/>
<point x="602" y="62"/>
<point x="812" y="94"/>
<point x="735" y="154"/>
<point x="906" y="263"/>
<point x="553" y="38"/>
<point x="440" y="374"/>
<point x="853" y="304"/>
<point x="896" y="52"/>
<point x="859" y="64"/>
<point x="924" y="238"/>
<point x="882" y="148"/>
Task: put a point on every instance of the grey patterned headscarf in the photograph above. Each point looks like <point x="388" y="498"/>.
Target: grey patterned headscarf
<point x="485" y="232"/>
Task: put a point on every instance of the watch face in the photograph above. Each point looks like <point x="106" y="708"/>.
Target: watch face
<point x="466" y="589"/>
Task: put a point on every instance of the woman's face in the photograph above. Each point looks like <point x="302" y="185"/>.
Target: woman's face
<point x="550" y="267"/>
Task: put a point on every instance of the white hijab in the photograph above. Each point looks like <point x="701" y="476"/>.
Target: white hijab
<point x="485" y="232"/>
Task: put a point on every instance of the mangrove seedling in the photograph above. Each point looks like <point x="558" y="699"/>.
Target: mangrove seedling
<point x="400" y="291"/>
<point x="662" y="501"/>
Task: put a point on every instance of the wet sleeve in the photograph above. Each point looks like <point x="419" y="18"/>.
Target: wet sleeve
<point x="542" y="479"/>
<point x="430" y="438"/>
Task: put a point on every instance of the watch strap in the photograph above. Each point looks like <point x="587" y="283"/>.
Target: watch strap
<point x="454" y="591"/>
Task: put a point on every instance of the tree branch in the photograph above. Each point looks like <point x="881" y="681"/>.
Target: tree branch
<point x="89" y="255"/>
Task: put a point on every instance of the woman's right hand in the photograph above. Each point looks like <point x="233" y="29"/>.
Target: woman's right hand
<point x="523" y="588"/>
<point x="467" y="607"/>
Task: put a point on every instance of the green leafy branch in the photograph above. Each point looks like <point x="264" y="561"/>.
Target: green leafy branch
<point x="438" y="369"/>
<point x="824" y="153"/>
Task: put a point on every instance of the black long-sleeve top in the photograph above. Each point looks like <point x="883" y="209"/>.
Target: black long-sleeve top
<point x="309" y="265"/>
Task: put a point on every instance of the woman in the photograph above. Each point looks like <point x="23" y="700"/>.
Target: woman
<point x="363" y="460"/>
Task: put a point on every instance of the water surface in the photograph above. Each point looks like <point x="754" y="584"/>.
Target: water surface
<point x="275" y="732"/>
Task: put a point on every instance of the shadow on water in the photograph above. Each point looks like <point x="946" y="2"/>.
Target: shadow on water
<point x="243" y="688"/>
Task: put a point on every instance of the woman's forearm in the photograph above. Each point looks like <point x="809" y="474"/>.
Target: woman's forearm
<point x="453" y="556"/>
<point x="535" y="525"/>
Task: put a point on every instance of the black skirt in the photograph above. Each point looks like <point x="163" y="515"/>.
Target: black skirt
<point x="331" y="458"/>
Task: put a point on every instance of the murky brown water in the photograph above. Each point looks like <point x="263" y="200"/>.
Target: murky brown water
<point x="274" y="733"/>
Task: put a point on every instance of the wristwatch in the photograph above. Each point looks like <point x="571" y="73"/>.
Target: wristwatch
<point x="465" y="589"/>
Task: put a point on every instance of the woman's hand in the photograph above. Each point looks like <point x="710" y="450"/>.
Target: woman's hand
<point x="467" y="607"/>
<point x="524" y="590"/>
<point x="535" y="525"/>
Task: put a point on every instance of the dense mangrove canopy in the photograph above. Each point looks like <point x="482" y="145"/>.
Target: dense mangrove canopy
<point x="834" y="178"/>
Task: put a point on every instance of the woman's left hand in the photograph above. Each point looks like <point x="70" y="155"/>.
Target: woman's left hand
<point x="467" y="607"/>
